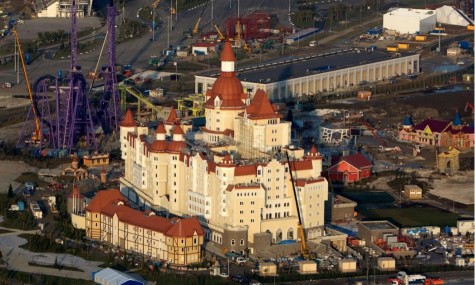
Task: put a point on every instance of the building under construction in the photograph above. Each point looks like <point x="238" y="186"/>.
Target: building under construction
<point x="254" y="26"/>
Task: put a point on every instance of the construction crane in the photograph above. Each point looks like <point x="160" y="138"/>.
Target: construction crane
<point x="155" y="4"/>
<point x="303" y="241"/>
<point x="220" y="34"/>
<point x="36" y="138"/>
<point x="196" y="28"/>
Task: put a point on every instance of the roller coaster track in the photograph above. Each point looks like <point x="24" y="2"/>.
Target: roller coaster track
<point x="124" y="90"/>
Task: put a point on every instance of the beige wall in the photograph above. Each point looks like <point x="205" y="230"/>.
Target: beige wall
<point x="79" y="222"/>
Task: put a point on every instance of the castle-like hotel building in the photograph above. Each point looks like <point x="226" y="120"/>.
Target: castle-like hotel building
<point x="233" y="174"/>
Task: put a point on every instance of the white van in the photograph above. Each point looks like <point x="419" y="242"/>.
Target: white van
<point x="313" y="43"/>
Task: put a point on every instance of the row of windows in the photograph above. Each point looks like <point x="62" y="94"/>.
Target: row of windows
<point x="233" y="242"/>
<point x="242" y="203"/>
<point x="247" y="194"/>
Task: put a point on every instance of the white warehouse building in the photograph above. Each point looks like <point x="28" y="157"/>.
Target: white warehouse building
<point x="410" y="21"/>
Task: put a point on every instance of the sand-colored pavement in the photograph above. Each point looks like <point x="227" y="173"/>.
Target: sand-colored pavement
<point x="17" y="258"/>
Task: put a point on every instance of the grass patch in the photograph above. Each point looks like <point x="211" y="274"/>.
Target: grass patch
<point x="18" y="220"/>
<point x="413" y="217"/>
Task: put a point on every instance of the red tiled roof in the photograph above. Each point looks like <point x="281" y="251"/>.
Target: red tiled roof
<point x="138" y="218"/>
<point x="244" y="170"/>
<point x="260" y="107"/>
<point x="357" y="160"/>
<point x="104" y="198"/>
<point x="128" y="120"/>
<point x="227" y="54"/>
<point x="437" y="126"/>
<point x="206" y="130"/>
<point x="172" y="117"/>
<point x="158" y="146"/>
<point x="176" y="146"/>
<point x="205" y="44"/>
<point x="177" y="130"/>
<point x="185" y="228"/>
<point x="301" y="165"/>
<point x="160" y="129"/>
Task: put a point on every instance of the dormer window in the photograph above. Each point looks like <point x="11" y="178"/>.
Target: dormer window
<point x="217" y="102"/>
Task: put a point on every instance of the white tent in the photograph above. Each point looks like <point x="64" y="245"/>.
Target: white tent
<point x="110" y="276"/>
<point x="452" y="16"/>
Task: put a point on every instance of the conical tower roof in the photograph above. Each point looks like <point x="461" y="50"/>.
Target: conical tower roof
<point x="128" y="120"/>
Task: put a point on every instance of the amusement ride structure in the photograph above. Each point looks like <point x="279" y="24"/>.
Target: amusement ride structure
<point x="73" y="124"/>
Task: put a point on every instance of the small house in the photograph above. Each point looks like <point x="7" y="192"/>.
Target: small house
<point x="350" y="168"/>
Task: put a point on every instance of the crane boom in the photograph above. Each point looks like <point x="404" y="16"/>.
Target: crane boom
<point x="196" y="28"/>
<point x="37" y="134"/>
<point x="220" y="34"/>
<point x="303" y="242"/>
<point x="155" y="4"/>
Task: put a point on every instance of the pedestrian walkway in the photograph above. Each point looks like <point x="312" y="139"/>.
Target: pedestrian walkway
<point x="17" y="258"/>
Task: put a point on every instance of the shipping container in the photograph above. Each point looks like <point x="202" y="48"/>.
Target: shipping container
<point x="421" y="38"/>
<point x="392" y="49"/>
<point x="402" y="46"/>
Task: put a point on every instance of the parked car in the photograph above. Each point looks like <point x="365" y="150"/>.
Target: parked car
<point x="224" y="275"/>
<point x="240" y="260"/>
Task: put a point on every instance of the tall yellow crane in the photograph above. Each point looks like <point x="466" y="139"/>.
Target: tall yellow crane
<point x="36" y="137"/>
<point x="220" y="34"/>
<point x="155" y="4"/>
<point x="196" y="28"/>
<point x="303" y="242"/>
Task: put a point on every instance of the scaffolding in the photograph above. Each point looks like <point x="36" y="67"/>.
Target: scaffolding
<point x="193" y="105"/>
<point x="249" y="143"/>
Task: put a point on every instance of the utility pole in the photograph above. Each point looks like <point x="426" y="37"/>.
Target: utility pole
<point x="212" y="11"/>
<point x="168" y="34"/>
<point x="238" y="8"/>
<point x="15" y="57"/>
<point x="153" y="25"/>
<point x="176" y="11"/>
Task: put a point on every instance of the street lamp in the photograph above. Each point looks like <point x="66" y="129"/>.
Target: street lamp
<point x="153" y="24"/>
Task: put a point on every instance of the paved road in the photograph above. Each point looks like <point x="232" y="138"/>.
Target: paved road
<point x="17" y="258"/>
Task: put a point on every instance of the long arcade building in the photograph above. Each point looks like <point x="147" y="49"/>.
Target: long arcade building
<point x="321" y="73"/>
<point x="235" y="178"/>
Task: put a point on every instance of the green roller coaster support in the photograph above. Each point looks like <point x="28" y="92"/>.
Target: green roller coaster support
<point x="141" y="99"/>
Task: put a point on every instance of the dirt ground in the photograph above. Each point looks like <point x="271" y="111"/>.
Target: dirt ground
<point x="388" y="113"/>
<point x="392" y="110"/>
<point x="11" y="170"/>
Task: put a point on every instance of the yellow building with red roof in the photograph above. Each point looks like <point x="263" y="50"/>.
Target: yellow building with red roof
<point x="109" y="219"/>
<point x="232" y="174"/>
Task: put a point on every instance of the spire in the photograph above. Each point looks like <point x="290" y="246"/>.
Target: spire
<point x="457" y="122"/>
<point x="227" y="58"/>
<point x="178" y="133"/>
<point x="128" y="120"/>
<point x="313" y="150"/>
<point x="408" y="121"/>
<point x="172" y="116"/>
<point x="160" y="132"/>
